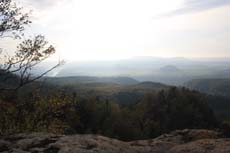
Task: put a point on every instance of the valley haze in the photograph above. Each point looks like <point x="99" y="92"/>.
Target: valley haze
<point x="172" y="71"/>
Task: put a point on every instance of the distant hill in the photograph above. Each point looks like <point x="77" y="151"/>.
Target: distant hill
<point x="88" y="79"/>
<point x="169" y="69"/>
<point x="219" y="87"/>
<point x="107" y="84"/>
<point x="150" y="85"/>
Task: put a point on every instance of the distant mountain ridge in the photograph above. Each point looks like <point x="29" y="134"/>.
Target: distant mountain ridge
<point x="172" y="71"/>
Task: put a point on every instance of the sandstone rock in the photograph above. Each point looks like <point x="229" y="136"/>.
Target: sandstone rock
<point x="4" y="145"/>
<point x="187" y="135"/>
<point x="204" y="146"/>
<point x="179" y="141"/>
<point x="90" y="144"/>
<point x="151" y="146"/>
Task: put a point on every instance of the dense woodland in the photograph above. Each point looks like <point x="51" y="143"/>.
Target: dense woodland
<point x="58" y="109"/>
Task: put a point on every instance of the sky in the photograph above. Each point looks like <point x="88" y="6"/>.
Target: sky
<point x="118" y="29"/>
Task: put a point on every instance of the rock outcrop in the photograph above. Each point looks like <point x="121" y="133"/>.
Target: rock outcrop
<point x="180" y="141"/>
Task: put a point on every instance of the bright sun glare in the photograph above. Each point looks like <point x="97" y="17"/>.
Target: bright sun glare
<point x="108" y="29"/>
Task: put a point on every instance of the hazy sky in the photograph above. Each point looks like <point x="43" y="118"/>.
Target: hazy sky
<point x="114" y="29"/>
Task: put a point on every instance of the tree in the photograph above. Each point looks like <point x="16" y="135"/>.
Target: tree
<point x="29" y="53"/>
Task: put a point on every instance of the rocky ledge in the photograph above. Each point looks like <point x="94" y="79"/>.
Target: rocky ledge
<point x="180" y="141"/>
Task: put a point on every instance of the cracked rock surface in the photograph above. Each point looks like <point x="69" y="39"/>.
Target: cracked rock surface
<point x="179" y="141"/>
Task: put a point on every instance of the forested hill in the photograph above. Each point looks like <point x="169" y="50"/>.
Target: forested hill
<point x="123" y="90"/>
<point x="219" y="87"/>
<point x="89" y="79"/>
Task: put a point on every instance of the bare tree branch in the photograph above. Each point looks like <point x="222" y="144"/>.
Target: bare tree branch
<point x="30" y="52"/>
